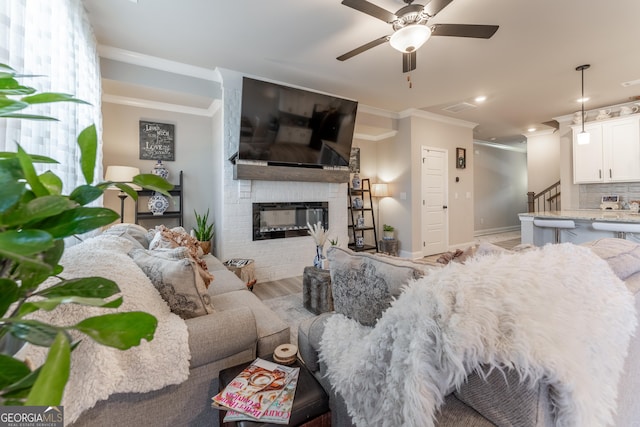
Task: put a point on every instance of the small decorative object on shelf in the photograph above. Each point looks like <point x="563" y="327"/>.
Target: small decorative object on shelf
<point x="363" y="234"/>
<point x="356" y="183"/>
<point x="388" y="232"/>
<point x="158" y="204"/>
<point x="160" y="170"/>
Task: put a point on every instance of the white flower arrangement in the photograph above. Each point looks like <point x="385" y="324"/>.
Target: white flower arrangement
<point x="318" y="233"/>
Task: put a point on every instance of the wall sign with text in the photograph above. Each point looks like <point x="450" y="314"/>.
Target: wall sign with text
<point x="157" y="141"/>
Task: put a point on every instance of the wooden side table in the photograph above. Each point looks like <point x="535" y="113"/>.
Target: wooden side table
<point x="389" y="246"/>
<point x="244" y="269"/>
<point x="316" y="290"/>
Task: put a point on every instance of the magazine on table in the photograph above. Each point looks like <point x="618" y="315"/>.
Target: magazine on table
<point x="254" y="389"/>
<point x="280" y="410"/>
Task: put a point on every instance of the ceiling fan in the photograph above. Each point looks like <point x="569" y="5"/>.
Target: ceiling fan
<point x="411" y="30"/>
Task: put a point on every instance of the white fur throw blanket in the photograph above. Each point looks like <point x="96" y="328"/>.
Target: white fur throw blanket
<point x="556" y="314"/>
<point x="98" y="371"/>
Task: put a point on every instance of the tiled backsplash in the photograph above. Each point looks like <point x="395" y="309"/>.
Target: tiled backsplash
<point x="591" y="194"/>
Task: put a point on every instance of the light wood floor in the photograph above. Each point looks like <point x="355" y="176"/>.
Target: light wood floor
<point x="292" y="285"/>
<point x="278" y="288"/>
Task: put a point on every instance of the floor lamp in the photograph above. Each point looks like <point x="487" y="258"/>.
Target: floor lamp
<point x="121" y="174"/>
<point x="379" y="190"/>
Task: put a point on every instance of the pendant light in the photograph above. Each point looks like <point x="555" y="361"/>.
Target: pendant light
<point x="583" y="137"/>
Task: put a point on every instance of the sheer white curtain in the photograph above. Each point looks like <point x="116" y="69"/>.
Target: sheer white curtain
<point x="52" y="39"/>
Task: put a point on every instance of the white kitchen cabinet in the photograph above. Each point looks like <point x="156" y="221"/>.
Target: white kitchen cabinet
<point x="613" y="153"/>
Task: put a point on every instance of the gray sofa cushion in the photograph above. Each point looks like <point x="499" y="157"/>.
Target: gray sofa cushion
<point x="272" y="331"/>
<point x="504" y="399"/>
<point x="364" y="285"/>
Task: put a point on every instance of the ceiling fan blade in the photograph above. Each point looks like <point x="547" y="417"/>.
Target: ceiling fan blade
<point x="362" y="48"/>
<point x="370" y="9"/>
<point x="435" y="6"/>
<point x="464" y="30"/>
<point x="408" y="61"/>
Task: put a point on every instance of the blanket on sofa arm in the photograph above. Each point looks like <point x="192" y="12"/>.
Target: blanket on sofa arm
<point x="98" y="371"/>
<point x="557" y="314"/>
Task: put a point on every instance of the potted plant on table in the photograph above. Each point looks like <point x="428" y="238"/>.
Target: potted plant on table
<point x="203" y="231"/>
<point x="388" y="232"/>
<point x="35" y="218"/>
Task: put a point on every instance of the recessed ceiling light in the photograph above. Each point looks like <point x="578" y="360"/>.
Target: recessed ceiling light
<point x="585" y="99"/>
<point x="630" y="83"/>
<point x="531" y="130"/>
<point x="480" y="98"/>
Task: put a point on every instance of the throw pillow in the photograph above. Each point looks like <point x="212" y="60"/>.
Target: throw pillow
<point x="363" y="285"/>
<point x="176" y="277"/>
<point x="165" y="238"/>
<point x="133" y="232"/>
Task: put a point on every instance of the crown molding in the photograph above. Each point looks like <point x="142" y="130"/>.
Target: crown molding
<point x="415" y="112"/>
<point x="379" y="137"/>
<point x="500" y="146"/>
<point x="149" y="61"/>
<point x="163" y="106"/>
<point x="362" y="108"/>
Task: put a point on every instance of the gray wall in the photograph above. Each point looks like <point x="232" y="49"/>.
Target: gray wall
<point x="194" y="156"/>
<point x="500" y="188"/>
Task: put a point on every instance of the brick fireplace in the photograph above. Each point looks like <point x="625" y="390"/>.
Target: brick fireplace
<point x="274" y="258"/>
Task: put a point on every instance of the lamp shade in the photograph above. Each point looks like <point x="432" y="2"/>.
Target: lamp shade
<point x="410" y="38"/>
<point x="380" y="190"/>
<point x="121" y="174"/>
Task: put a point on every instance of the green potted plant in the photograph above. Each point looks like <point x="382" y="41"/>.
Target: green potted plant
<point x="388" y="231"/>
<point x="203" y="231"/>
<point x="35" y="217"/>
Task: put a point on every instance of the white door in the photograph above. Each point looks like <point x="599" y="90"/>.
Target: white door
<point x="434" y="201"/>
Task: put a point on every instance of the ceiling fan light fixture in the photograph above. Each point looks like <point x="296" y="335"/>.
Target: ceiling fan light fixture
<point x="410" y="38"/>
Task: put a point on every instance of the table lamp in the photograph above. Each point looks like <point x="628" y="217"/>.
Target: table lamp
<point x="121" y="174"/>
<point x="379" y="190"/>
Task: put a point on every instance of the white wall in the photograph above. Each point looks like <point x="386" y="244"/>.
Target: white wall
<point x="277" y="258"/>
<point x="543" y="160"/>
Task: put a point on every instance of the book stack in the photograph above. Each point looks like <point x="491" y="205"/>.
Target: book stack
<point x="263" y="391"/>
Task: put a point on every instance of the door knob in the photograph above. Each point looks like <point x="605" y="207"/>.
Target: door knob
<point x="444" y="207"/>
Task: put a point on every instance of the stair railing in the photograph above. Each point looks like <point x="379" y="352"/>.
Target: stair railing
<point x="547" y="199"/>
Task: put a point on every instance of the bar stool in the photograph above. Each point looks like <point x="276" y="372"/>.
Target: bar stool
<point x="556" y="224"/>
<point x="622" y="228"/>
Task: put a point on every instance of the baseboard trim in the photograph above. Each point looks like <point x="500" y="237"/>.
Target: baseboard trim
<point x="496" y="230"/>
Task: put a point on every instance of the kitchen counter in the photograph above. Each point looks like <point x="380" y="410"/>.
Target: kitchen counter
<point x="608" y="223"/>
<point x="587" y="215"/>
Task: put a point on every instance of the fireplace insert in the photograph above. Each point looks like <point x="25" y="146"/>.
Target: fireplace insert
<point x="287" y="219"/>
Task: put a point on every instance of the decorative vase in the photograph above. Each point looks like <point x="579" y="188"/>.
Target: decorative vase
<point x="158" y="204"/>
<point x="356" y="183"/>
<point x="206" y="246"/>
<point x="160" y="170"/>
<point x="360" y="221"/>
<point x="388" y="235"/>
<point x="319" y="260"/>
<point x="359" y="241"/>
<point x="358" y="203"/>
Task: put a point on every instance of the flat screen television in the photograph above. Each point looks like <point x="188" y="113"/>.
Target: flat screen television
<point x="286" y="126"/>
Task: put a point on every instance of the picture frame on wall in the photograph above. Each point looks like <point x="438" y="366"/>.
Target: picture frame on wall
<point x="354" y="160"/>
<point x="157" y="141"/>
<point x="461" y="158"/>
